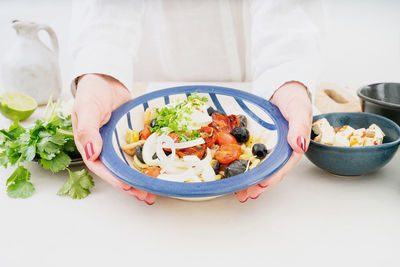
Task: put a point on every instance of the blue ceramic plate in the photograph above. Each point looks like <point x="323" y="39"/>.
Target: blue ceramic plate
<point x="260" y="113"/>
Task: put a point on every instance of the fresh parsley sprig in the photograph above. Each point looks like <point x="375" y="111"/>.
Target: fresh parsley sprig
<point x="48" y="141"/>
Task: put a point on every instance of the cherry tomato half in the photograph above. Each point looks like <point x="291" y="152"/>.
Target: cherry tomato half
<point x="145" y="133"/>
<point x="220" y="122"/>
<point x="228" y="153"/>
<point x="152" y="171"/>
<point x="209" y="134"/>
<point x="192" y="151"/>
<point x="234" y="121"/>
<point x="225" y="138"/>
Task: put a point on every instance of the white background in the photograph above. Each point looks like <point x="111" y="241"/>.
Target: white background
<point x="309" y="219"/>
<point x="361" y="41"/>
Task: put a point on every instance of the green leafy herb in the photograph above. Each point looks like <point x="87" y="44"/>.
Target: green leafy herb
<point x="78" y="185"/>
<point x="175" y="117"/>
<point x="19" y="185"/>
<point x="50" y="141"/>
<point x="58" y="163"/>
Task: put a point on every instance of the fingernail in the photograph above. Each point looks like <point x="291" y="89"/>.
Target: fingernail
<point x="244" y="200"/>
<point x="149" y="203"/>
<point x="301" y="142"/>
<point x="255" y="196"/>
<point x="263" y="186"/>
<point x="89" y="150"/>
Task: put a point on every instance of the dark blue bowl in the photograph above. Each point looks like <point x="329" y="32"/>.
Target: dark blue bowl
<point x="352" y="161"/>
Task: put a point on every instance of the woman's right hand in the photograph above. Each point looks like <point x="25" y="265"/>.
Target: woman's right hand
<point x="96" y="97"/>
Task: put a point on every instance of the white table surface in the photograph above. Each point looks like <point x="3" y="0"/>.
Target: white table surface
<point x="311" y="218"/>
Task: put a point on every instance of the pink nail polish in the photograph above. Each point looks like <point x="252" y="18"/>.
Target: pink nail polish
<point x="301" y="142"/>
<point x="89" y="151"/>
<point x="256" y="196"/>
<point x="244" y="200"/>
<point x="148" y="203"/>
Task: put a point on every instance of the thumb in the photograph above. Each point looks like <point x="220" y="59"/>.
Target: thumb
<point x="87" y="135"/>
<point x="299" y="128"/>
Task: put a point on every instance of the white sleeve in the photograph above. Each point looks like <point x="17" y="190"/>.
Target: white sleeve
<point x="104" y="37"/>
<point x="284" y="45"/>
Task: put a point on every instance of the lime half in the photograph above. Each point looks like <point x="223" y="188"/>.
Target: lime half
<point x="17" y="106"/>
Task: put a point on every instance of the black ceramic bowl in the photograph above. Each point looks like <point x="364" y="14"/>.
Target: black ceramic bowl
<point x="353" y="161"/>
<point x="382" y="99"/>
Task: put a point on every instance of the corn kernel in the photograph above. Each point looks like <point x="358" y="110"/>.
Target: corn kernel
<point x="132" y="136"/>
<point x="149" y="115"/>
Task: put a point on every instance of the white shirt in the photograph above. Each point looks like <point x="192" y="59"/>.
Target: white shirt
<point x="267" y="42"/>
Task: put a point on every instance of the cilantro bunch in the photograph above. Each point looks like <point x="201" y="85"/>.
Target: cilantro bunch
<point x="50" y="142"/>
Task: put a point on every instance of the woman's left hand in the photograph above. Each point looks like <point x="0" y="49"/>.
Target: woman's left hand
<point x="294" y="103"/>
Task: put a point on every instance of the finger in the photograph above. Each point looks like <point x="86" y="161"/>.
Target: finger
<point x="255" y="191"/>
<point x="242" y="195"/>
<point x="150" y="199"/>
<point x="98" y="168"/>
<point x="299" y="128"/>
<point x="139" y="194"/>
<point x="89" y="119"/>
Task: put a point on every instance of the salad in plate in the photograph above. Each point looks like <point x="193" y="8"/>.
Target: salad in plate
<point x="189" y="141"/>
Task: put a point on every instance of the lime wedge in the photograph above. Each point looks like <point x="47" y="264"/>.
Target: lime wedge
<point x="17" y="106"/>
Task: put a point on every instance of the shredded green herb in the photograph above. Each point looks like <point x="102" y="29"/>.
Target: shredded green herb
<point x="176" y="117"/>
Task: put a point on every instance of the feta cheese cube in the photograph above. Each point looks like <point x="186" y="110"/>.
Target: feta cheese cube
<point x="356" y="140"/>
<point x="320" y="125"/>
<point x="346" y="131"/>
<point x="328" y="136"/>
<point x="374" y="131"/>
<point x="360" y="132"/>
<point x="341" y="140"/>
<point x="369" y="141"/>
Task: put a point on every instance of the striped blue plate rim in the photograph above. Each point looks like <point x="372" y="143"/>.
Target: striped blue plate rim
<point x="127" y="174"/>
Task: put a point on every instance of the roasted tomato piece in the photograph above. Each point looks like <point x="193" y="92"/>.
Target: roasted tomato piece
<point x="209" y="134"/>
<point x="152" y="171"/>
<point x="145" y="133"/>
<point x="220" y="122"/>
<point x="174" y="137"/>
<point x="225" y="138"/>
<point x="228" y="153"/>
<point x="234" y="121"/>
<point x="192" y="151"/>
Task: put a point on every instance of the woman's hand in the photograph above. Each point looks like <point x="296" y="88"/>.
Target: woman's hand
<point x="96" y="97"/>
<point x="293" y="101"/>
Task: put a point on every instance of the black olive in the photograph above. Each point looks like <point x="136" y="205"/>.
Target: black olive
<point x="259" y="150"/>
<point x="155" y="156"/>
<point x="216" y="167"/>
<point x="236" y="167"/>
<point x="153" y="123"/>
<point x="241" y="134"/>
<point x="243" y="120"/>
<point x="139" y="155"/>
<point x="210" y="110"/>
<point x="219" y="112"/>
